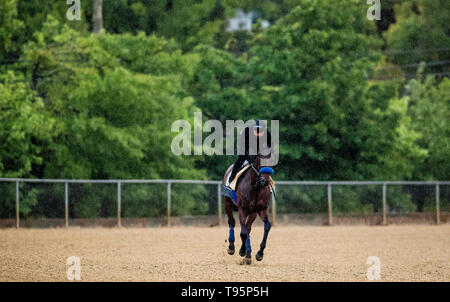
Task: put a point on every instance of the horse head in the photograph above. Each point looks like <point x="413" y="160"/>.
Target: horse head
<point x="262" y="173"/>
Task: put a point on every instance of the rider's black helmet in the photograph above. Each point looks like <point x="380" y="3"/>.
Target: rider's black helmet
<point x="259" y="128"/>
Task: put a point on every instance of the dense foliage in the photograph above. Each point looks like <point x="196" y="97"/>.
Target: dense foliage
<point x="78" y="105"/>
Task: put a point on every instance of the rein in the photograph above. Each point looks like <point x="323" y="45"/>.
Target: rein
<point x="254" y="169"/>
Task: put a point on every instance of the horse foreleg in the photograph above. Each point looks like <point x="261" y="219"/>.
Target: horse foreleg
<point x="265" y="218"/>
<point x="248" y="247"/>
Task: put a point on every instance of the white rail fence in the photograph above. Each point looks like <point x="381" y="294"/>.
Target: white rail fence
<point x="170" y="182"/>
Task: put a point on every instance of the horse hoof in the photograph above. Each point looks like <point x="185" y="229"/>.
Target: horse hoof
<point x="230" y="251"/>
<point x="259" y="256"/>
<point x="242" y="253"/>
<point x="248" y="260"/>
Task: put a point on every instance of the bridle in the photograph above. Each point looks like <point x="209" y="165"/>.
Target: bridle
<point x="261" y="182"/>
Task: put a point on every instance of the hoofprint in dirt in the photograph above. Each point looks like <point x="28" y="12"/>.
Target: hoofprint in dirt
<point x="295" y="253"/>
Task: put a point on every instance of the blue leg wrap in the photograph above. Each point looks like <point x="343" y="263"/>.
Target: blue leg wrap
<point x="231" y="237"/>
<point x="248" y="247"/>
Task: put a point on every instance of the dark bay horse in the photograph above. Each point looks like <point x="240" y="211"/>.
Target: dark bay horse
<point x="253" y="195"/>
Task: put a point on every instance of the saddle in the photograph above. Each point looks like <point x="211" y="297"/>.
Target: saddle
<point x="238" y="175"/>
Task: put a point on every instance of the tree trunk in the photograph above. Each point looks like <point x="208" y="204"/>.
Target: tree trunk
<point x="97" y="17"/>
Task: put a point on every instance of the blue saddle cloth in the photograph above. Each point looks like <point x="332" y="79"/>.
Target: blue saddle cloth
<point x="234" y="197"/>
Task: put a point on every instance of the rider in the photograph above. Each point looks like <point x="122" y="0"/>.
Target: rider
<point x="256" y="132"/>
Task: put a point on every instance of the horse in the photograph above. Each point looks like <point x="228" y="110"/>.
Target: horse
<point x="253" y="196"/>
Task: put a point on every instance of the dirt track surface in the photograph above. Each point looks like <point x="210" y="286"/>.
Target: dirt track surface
<point x="293" y="253"/>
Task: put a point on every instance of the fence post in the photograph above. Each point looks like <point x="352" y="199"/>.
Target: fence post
<point x="17" y="206"/>
<point x="168" y="203"/>
<point x="66" y="204"/>
<point x="119" y="204"/>
<point x="384" y="205"/>
<point x="274" y="207"/>
<point x="219" y="207"/>
<point x="438" y="211"/>
<point x="330" y="206"/>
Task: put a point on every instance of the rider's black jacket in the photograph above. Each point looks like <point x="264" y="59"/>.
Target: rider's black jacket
<point x="246" y="136"/>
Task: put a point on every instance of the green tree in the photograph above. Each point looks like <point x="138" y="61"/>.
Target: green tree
<point x="429" y="108"/>
<point x="307" y="71"/>
<point x="420" y="34"/>
<point x="10" y="26"/>
<point x="111" y="118"/>
<point x="111" y="122"/>
<point x="25" y="128"/>
<point x="26" y="131"/>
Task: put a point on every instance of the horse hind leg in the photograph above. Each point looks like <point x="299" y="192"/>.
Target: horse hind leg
<point x="231" y="239"/>
<point x="231" y="225"/>
<point x="243" y="234"/>
<point x="267" y="226"/>
<point x="243" y="240"/>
